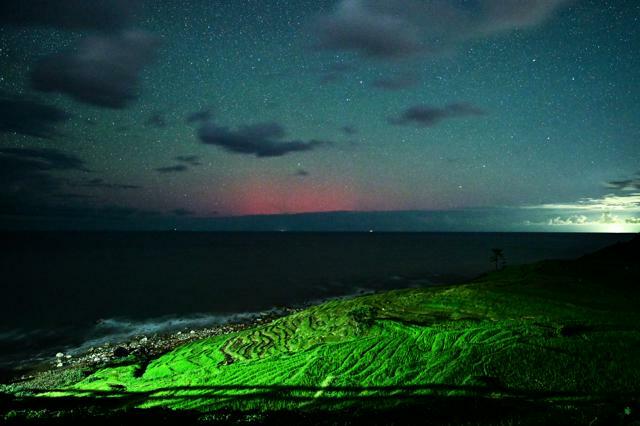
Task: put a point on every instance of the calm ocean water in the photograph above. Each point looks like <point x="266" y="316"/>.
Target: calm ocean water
<point x="72" y="290"/>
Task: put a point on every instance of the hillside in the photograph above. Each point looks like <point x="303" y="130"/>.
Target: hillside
<point x="556" y="337"/>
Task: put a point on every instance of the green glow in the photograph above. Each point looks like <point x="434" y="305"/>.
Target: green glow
<point x="529" y="331"/>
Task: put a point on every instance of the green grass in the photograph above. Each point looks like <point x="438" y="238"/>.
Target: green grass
<point x="558" y="332"/>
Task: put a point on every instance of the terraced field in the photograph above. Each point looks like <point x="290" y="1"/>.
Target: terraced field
<point x="565" y="333"/>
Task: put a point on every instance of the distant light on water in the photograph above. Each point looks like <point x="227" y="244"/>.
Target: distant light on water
<point x="617" y="228"/>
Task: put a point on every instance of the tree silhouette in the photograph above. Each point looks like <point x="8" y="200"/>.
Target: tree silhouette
<point x="497" y="258"/>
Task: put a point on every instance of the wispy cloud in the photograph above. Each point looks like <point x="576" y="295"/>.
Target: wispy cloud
<point x="20" y="115"/>
<point x="630" y="184"/>
<point x="606" y="220"/>
<point x="611" y="213"/>
<point x="393" y="29"/>
<point x="429" y="116"/>
<point x="192" y="160"/>
<point x="611" y="202"/>
<point x="178" y="168"/>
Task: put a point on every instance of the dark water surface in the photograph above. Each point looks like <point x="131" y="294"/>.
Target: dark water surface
<point x="62" y="290"/>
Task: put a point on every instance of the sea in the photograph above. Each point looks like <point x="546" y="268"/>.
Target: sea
<point x="68" y="291"/>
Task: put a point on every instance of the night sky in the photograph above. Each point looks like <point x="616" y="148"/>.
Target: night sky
<point x="435" y="115"/>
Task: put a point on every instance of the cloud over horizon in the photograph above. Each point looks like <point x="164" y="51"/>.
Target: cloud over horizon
<point x="32" y="189"/>
<point x="610" y="213"/>
<point x="630" y="184"/>
<point x="41" y="159"/>
<point x="26" y="174"/>
<point x="611" y="202"/>
<point x="29" y="117"/>
<point x="606" y="218"/>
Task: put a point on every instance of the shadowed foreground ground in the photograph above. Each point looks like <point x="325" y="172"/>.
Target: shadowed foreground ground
<point x="554" y="342"/>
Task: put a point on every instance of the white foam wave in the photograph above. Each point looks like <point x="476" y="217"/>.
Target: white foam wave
<point x="118" y="330"/>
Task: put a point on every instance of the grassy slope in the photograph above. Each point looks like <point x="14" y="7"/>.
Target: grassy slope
<point x="559" y="331"/>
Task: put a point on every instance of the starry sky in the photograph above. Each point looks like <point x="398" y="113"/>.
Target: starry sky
<point x="434" y="115"/>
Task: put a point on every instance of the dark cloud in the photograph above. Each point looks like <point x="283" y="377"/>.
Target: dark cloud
<point x="32" y="194"/>
<point x="427" y="116"/>
<point x="156" y="120"/>
<point x="29" y="117"/>
<point x="301" y="173"/>
<point x="102" y="184"/>
<point x="192" y="160"/>
<point x="41" y="159"/>
<point x="69" y="213"/>
<point x="102" y="70"/>
<point x="73" y="196"/>
<point x="631" y="184"/>
<point x="349" y="130"/>
<point x="26" y="174"/>
<point x="398" y="82"/>
<point x="178" y="168"/>
<point x="102" y="15"/>
<point x="86" y="214"/>
<point x="182" y="212"/>
<point x="187" y="160"/>
<point x="199" y="116"/>
<point x="619" y="184"/>
<point x="261" y="140"/>
<point x="399" y="28"/>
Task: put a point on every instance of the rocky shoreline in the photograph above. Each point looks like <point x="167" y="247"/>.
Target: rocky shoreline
<point x="65" y="366"/>
<point x="145" y="348"/>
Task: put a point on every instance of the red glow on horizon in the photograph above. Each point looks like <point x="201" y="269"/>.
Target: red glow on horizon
<point x="257" y="198"/>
